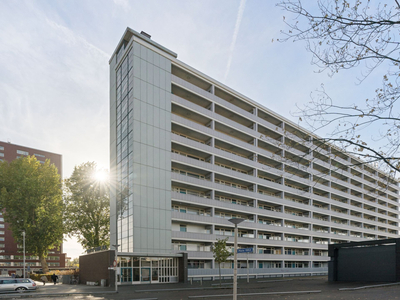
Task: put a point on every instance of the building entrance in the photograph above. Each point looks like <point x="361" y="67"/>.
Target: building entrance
<point x="145" y="274"/>
<point x="136" y="270"/>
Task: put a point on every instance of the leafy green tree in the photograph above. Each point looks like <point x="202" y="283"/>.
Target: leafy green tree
<point x="87" y="206"/>
<point x="74" y="262"/>
<point x="31" y="200"/>
<point x="220" y="254"/>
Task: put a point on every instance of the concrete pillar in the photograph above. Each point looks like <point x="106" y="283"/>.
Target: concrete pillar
<point x="212" y="215"/>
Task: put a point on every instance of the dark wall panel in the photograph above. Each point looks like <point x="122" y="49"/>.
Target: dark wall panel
<point x="376" y="263"/>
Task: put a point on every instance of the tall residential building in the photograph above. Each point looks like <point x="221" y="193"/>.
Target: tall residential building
<point x="11" y="253"/>
<point x="189" y="153"/>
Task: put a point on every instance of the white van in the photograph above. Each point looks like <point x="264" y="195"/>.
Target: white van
<point x="17" y="284"/>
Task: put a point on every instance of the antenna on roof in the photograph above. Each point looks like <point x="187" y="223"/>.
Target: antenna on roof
<point x="146" y="34"/>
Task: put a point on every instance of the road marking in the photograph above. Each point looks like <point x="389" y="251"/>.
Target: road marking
<point x="275" y="280"/>
<point x="369" y="286"/>
<point x="181" y="289"/>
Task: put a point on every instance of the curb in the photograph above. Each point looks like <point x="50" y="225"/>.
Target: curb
<point x="255" y="294"/>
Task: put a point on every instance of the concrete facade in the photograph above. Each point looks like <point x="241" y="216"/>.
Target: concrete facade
<point x="188" y="153"/>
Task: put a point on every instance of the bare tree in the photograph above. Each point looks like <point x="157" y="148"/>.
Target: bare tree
<point x="342" y="35"/>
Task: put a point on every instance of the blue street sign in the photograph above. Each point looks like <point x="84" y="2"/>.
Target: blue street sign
<point x="245" y="250"/>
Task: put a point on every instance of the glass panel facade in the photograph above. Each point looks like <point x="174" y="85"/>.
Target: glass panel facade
<point x="124" y="128"/>
<point x="146" y="269"/>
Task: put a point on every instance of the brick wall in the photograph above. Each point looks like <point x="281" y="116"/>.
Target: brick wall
<point x="94" y="266"/>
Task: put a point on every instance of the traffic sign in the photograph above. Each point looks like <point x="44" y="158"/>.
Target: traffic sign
<point x="245" y="250"/>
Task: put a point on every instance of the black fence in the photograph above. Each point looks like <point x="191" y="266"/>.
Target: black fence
<point x="377" y="261"/>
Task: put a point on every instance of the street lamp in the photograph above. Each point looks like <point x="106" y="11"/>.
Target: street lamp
<point x="116" y="267"/>
<point x="23" y="243"/>
<point x="236" y="222"/>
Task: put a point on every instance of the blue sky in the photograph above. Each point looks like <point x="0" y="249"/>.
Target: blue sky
<point x="54" y="65"/>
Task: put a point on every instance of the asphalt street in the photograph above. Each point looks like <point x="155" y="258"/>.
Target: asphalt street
<point x="303" y="288"/>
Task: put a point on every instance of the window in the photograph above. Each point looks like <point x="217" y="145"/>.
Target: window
<point x="196" y="264"/>
<point x="26" y="257"/>
<point x="53" y="258"/>
<point x="1" y="148"/>
<point x="2" y="239"/>
<point x="8" y="281"/>
<point x="320" y="264"/>
<point x="22" y="152"/>
<point x="269" y="265"/>
<point x="1" y="154"/>
<point x="182" y="228"/>
<point x="296" y="264"/>
<point x="38" y="155"/>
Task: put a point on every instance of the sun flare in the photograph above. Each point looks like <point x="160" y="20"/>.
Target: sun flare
<point x="101" y="175"/>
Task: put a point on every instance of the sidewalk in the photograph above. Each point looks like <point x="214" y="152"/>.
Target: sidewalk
<point x="50" y="290"/>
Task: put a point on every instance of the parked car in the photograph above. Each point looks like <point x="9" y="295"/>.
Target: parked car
<point x="17" y="284"/>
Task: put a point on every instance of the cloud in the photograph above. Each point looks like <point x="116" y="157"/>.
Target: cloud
<point x="123" y="3"/>
<point x="53" y="87"/>
<point x="235" y="34"/>
<point x="72" y="38"/>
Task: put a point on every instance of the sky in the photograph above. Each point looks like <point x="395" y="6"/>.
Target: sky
<point x="54" y="72"/>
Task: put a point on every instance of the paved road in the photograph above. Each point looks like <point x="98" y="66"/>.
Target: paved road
<point x="184" y="291"/>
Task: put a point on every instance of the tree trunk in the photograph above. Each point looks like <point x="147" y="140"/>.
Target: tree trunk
<point x="43" y="262"/>
<point x="219" y="268"/>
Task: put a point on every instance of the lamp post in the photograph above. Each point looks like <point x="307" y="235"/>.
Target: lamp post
<point x="23" y="243"/>
<point x="236" y="222"/>
<point x="116" y="267"/>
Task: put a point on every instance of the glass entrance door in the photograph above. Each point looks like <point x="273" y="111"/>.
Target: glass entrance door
<point x="145" y="274"/>
<point x="154" y="275"/>
<point x="126" y="275"/>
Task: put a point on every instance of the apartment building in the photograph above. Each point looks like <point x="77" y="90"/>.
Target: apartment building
<point x="189" y="153"/>
<point x="11" y="253"/>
